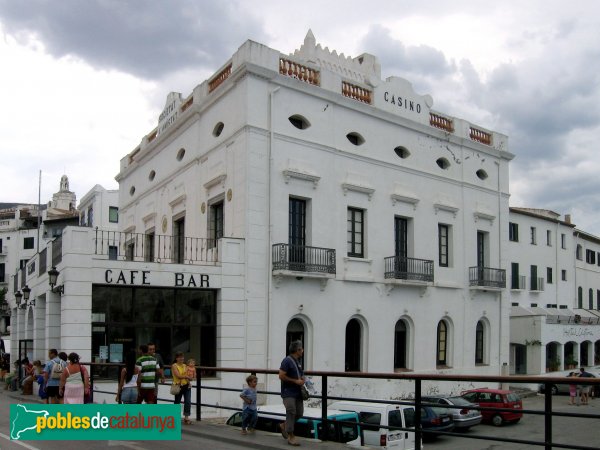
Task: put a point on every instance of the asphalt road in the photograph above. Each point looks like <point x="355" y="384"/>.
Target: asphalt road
<point x="566" y="430"/>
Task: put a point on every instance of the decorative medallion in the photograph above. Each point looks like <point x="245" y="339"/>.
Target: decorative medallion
<point x="164" y="224"/>
<point x="229" y="195"/>
<point x="203" y="207"/>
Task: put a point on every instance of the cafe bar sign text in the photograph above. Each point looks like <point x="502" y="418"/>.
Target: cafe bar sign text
<point x="144" y="278"/>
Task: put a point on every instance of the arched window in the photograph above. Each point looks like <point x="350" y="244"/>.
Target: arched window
<point x="353" y="346"/>
<point x="591" y="299"/>
<point x="479" y="343"/>
<point x="400" y="345"/>
<point x="580" y="297"/>
<point x="442" y="343"/>
<point x="295" y="332"/>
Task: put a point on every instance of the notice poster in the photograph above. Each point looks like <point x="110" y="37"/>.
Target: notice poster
<point x="116" y="352"/>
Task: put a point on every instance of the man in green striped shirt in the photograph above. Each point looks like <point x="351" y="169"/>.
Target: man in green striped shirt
<point x="148" y="366"/>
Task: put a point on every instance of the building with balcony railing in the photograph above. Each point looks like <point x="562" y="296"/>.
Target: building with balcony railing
<point x="302" y="197"/>
<point x="556" y="305"/>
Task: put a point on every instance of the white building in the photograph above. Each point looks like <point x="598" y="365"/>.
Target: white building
<point x="295" y="196"/>
<point x="555" y="293"/>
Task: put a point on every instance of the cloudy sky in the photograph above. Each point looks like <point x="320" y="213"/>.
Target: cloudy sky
<point x="82" y="81"/>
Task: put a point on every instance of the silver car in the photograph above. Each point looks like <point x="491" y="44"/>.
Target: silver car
<point x="464" y="417"/>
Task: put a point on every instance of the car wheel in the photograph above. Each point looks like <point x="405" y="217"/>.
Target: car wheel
<point x="497" y="420"/>
<point x="554" y="390"/>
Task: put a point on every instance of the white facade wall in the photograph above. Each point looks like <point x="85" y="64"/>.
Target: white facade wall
<point x="258" y="162"/>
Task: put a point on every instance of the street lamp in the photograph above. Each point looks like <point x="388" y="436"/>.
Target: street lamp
<point x="52" y="280"/>
<point x="18" y="297"/>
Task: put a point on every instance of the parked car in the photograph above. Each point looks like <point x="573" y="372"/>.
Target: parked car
<point x="563" y="388"/>
<point x="373" y="416"/>
<point x="310" y="425"/>
<point x="435" y="418"/>
<point x="496" y="398"/>
<point x="463" y="417"/>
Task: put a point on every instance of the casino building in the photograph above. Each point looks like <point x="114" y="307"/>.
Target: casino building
<point x="290" y="197"/>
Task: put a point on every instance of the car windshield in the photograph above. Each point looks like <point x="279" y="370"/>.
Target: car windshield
<point x="440" y="411"/>
<point x="395" y="418"/>
<point x="512" y="397"/>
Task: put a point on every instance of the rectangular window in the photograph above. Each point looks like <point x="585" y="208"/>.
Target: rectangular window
<point x="28" y="243"/>
<point x="549" y="275"/>
<point x="113" y="214"/>
<point x="113" y="252"/>
<point x="534" y="279"/>
<point x="355" y="232"/>
<point x="2" y="269"/>
<point x="533" y="236"/>
<point x="549" y="238"/>
<point x="514" y="276"/>
<point x="563" y="240"/>
<point x="443" y="245"/>
<point x="215" y="224"/>
<point x="23" y="263"/>
<point x="597" y="257"/>
<point x="513" y="232"/>
<point x="590" y="256"/>
<point x="563" y="275"/>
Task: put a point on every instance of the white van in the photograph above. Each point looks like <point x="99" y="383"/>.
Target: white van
<point x="375" y="415"/>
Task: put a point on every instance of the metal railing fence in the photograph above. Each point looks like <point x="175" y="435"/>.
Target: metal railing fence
<point x="548" y="442"/>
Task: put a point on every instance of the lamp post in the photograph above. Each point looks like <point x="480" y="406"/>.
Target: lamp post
<point x="26" y="294"/>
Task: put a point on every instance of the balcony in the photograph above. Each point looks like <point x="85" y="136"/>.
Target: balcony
<point x="487" y="278"/>
<point x="303" y="261"/>
<point x="123" y="246"/>
<point x="409" y="270"/>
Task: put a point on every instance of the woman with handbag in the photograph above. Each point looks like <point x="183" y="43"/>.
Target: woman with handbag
<point x="127" y="391"/>
<point x="181" y="386"/>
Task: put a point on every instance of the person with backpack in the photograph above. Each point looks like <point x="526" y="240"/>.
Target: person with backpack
<point x="53" y="370"/>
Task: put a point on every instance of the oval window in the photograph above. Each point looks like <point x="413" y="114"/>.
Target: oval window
<point x="481" y="174"/>
<point x="402" y="152"/>
<point x="355" y="138"/>
<point x="132" y="190"/>
<point x="299" y="121"/>
<point x="443" y="163"/>
<point x="218" y="129"/>
<point x="180" y="154"/>
<point x="151" y="175"/>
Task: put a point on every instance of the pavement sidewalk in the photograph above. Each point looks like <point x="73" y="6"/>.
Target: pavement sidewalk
<point x="207" y="429"/>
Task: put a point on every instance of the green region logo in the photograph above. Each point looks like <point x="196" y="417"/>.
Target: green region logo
<point x="95" y="422"/>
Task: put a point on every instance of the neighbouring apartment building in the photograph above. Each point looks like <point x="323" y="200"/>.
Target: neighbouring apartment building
<point x="293" y="197"/>
<point x="554" y="278"/>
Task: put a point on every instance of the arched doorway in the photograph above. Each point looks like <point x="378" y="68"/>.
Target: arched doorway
<point x="553" y="360"/>
<point x="571" y="354"/>
<point x="585" y="353"/>
<point x="353" y="346"/>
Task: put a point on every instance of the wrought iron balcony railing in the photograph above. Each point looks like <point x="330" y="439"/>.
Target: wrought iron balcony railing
<point x="120" y="245"/>
<point x="301" y="258"/>
<point x="405" y="268"/>
<point x="487" y="277"/>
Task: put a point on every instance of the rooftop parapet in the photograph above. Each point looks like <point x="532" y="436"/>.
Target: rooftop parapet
<point x="357" y="79"/>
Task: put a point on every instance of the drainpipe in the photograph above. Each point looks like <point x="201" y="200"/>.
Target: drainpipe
<point x="269" y="274"/>
<point x="504" y="365"/>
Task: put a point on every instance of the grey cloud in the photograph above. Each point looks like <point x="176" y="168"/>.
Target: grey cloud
<point x="146" y="38"/>
<point x="397" y="58"/>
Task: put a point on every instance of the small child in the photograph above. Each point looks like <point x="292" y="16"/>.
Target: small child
<point x="191" y="369"/>
<point x="249" y="413"/>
